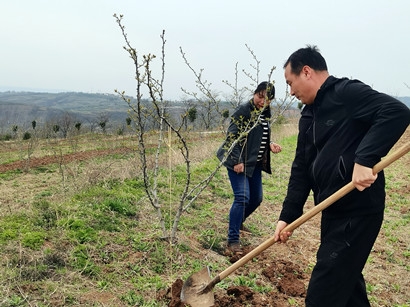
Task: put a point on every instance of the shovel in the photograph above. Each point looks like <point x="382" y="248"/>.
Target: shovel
<point x="197" y="289"/>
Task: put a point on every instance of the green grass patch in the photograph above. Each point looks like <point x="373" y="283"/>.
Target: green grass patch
<point x="82" y="261"/>
<point x="9" y="175"/>
<point x="14" y="227"/>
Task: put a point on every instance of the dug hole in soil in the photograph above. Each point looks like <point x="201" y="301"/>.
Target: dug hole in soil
<point x="286" y="278"/>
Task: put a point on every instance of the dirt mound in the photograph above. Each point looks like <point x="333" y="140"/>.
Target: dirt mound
<point x="284" y="276"/>
<point x="287" y="277"/>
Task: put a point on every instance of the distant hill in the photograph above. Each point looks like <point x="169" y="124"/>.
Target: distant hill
<point x="21" y="108"/>
<point x="24" y="107"/>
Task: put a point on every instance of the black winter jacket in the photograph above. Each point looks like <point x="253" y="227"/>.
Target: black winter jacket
<point x="348" y="123"/>
<point x="246" y="150"/>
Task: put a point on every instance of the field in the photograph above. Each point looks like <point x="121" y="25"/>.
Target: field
<point x="77" y="230"/>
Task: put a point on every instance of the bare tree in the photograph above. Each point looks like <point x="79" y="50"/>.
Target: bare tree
<point x="66" y="121"/>
<point x="103" y="119"/>
<point x="92" y="123"/>
<point x="30" y="142"/>
<point x="239" y="94"/>
<point x="141" y="113"/>
<point x="208" y="103"/>
<point x="15" y="130"/>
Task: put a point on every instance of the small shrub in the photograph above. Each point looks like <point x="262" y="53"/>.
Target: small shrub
<point x="26" y="135"/>
<point x="7" y="137"/>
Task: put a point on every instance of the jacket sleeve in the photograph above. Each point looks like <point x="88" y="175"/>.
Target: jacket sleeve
<point x="386" y="117"/>
<point x="299" y="184"/>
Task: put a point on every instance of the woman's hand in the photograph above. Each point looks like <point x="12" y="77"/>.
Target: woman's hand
<point x="275" y="148"/>
<point x="239" y="168"/>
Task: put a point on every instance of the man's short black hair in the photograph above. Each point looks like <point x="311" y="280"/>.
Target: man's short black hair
<point x="309" y="56"/>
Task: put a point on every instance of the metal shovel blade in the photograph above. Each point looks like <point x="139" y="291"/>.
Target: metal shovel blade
<point x="192" y="293"/>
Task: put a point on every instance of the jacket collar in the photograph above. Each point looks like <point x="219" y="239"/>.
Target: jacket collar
<point x="329" y="83"/>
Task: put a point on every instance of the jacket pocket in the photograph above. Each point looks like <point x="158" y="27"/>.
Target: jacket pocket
<point x="342" y="168"/>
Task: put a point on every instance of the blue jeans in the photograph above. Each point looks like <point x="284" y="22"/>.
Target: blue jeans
<point x="247" y="197"/>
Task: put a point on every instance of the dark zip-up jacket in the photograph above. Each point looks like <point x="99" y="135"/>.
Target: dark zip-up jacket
<point x="348" y="123"/>
<point x="247" y="149"/>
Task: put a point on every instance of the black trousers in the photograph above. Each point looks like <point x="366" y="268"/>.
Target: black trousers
<point x="337" y="279"/>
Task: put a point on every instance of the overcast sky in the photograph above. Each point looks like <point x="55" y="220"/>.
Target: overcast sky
<point x="76" y="45"/>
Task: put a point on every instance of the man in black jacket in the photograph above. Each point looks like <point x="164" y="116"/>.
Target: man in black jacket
<point x="346" y="127"/>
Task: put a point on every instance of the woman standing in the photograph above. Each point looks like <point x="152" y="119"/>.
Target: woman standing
<point x="246" y="153"/>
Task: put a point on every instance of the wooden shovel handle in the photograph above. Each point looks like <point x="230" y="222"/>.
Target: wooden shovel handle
<point x="310" y="213"/>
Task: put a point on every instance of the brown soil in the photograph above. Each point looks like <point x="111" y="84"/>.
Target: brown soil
<point x="286" y="278"/>
<point x="67" y="158"/>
